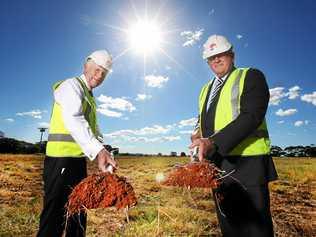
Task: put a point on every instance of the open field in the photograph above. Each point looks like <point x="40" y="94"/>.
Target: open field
<point x="161" y="211"/>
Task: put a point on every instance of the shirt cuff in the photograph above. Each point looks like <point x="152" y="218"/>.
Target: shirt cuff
<point x="93" y="150"/>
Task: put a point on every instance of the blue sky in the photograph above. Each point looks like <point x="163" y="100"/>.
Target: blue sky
<point x="149" y="105"/>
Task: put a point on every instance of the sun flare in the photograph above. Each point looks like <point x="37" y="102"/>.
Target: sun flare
<point x="145" y="37"/>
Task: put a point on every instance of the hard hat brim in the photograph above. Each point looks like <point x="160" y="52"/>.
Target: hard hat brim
<point x="207" y="55"/>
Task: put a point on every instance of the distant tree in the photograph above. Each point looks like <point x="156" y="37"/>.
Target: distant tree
<point x="159" y="154"/>
<point x="276" y="151"/>
<point x="183" y="154"/>
<point x="295" y="151"/>
<point x="289" y="151"/>
<point x="310" y="151"/>
<point x="173" y="153"/>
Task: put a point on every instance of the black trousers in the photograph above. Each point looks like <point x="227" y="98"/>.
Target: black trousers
<point x="243" y="211"/>
<point x="60" y="176"/>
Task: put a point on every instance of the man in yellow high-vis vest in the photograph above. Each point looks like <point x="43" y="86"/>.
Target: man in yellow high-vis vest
<point x="73" y="136"/>
<point x="232" y="132"/>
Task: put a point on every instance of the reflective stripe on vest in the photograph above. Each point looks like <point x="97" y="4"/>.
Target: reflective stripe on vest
<point x="235" y="95"/>
<point x="60" y="138"/>
<point x="228" y="109"/>
<point x="60" y="142"/>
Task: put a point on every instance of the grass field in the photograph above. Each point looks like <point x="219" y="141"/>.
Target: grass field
<point x="161" y="211"/>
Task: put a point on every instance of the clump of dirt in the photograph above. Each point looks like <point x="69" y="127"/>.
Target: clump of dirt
<point x="100" y="191"/>
<point x="194" y="175"/>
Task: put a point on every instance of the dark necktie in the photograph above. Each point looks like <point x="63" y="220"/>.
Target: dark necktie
<point x="215" y="88"/>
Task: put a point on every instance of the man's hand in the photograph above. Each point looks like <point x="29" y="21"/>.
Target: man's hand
<point x="205" y="145"/>
<point x="105" y="159"/>
<point x="195" y="135"/>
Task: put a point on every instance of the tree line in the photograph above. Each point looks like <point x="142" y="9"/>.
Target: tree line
<point x="13" y="146"/>
<point x="294" y="151"/>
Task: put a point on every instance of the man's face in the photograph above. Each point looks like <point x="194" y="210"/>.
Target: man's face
<point x="221" y="63"/>
<point x="94" y="73"/>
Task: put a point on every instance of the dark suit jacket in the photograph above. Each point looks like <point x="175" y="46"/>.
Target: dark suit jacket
<point x="253" y="106"/>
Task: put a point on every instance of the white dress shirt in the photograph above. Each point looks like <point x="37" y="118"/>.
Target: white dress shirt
<point x="69" y="95"/>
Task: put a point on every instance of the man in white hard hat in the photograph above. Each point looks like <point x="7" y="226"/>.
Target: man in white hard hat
<point x="73" y="136"/>
<point x="231" y="131"/>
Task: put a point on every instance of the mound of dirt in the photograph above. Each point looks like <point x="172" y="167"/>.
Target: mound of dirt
<point x="100" y="191"/>
<point x="194" y="175"/>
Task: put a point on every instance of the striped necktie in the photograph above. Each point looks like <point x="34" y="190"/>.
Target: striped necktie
<point x="215" y="88"/>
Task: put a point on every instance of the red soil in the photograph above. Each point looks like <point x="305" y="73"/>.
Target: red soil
<point x="100" y="191"/>
<point x="194" y="175"/>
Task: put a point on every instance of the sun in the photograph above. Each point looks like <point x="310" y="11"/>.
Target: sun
<point x="145" y="37"/>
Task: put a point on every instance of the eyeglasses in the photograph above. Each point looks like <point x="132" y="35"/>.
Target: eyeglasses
<point x="212" y="58"/>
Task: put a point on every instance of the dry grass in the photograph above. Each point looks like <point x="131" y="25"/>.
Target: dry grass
<point x="161" y="211"/>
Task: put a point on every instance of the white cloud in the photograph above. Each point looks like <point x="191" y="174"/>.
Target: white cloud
<point x="191" y="37"/>
<point x="171" y="138"/>
<point x="239" y="36"/>
<point x="108" y="104"/>
<point x="287" y="112"/>
<point x="300" y="123"/>
<point x="10" y="120"/>
<point x="150" y="140"/>
<point x="293" y="92"/>
<point x="281" y="121"/>
<point x="154" y="130"/>
<point x="33" y="113"/>
<point x="155" y="81"/>
<point x="276" y="94"/>
<point x="142" y="97"/>
<point x="135" y="139"/>
<point x="43" y="125"/>
<point x="188" y="122"/>
<point x="146" y="135"/>
<point x="309" y="98"/>
<point x="109" y="113"/>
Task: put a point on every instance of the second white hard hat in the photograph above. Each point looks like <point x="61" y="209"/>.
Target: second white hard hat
<point x="101" y="58"/>
<point x="215" y="44"/>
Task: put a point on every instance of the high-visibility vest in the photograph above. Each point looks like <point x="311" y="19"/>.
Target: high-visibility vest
<point x="60" y="142"/>
<point x="228" y="109"/>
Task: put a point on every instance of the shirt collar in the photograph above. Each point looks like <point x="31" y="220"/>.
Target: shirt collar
<point x="223" y="78"/>
<point x="84" y="79"/>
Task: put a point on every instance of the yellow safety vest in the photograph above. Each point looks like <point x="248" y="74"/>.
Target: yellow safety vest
<point x="228" y="109"/>
<point x="60" y="142"/>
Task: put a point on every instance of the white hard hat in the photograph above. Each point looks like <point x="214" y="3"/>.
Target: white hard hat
<point x="101" y="58"/>
<point x="215" y="44"/>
